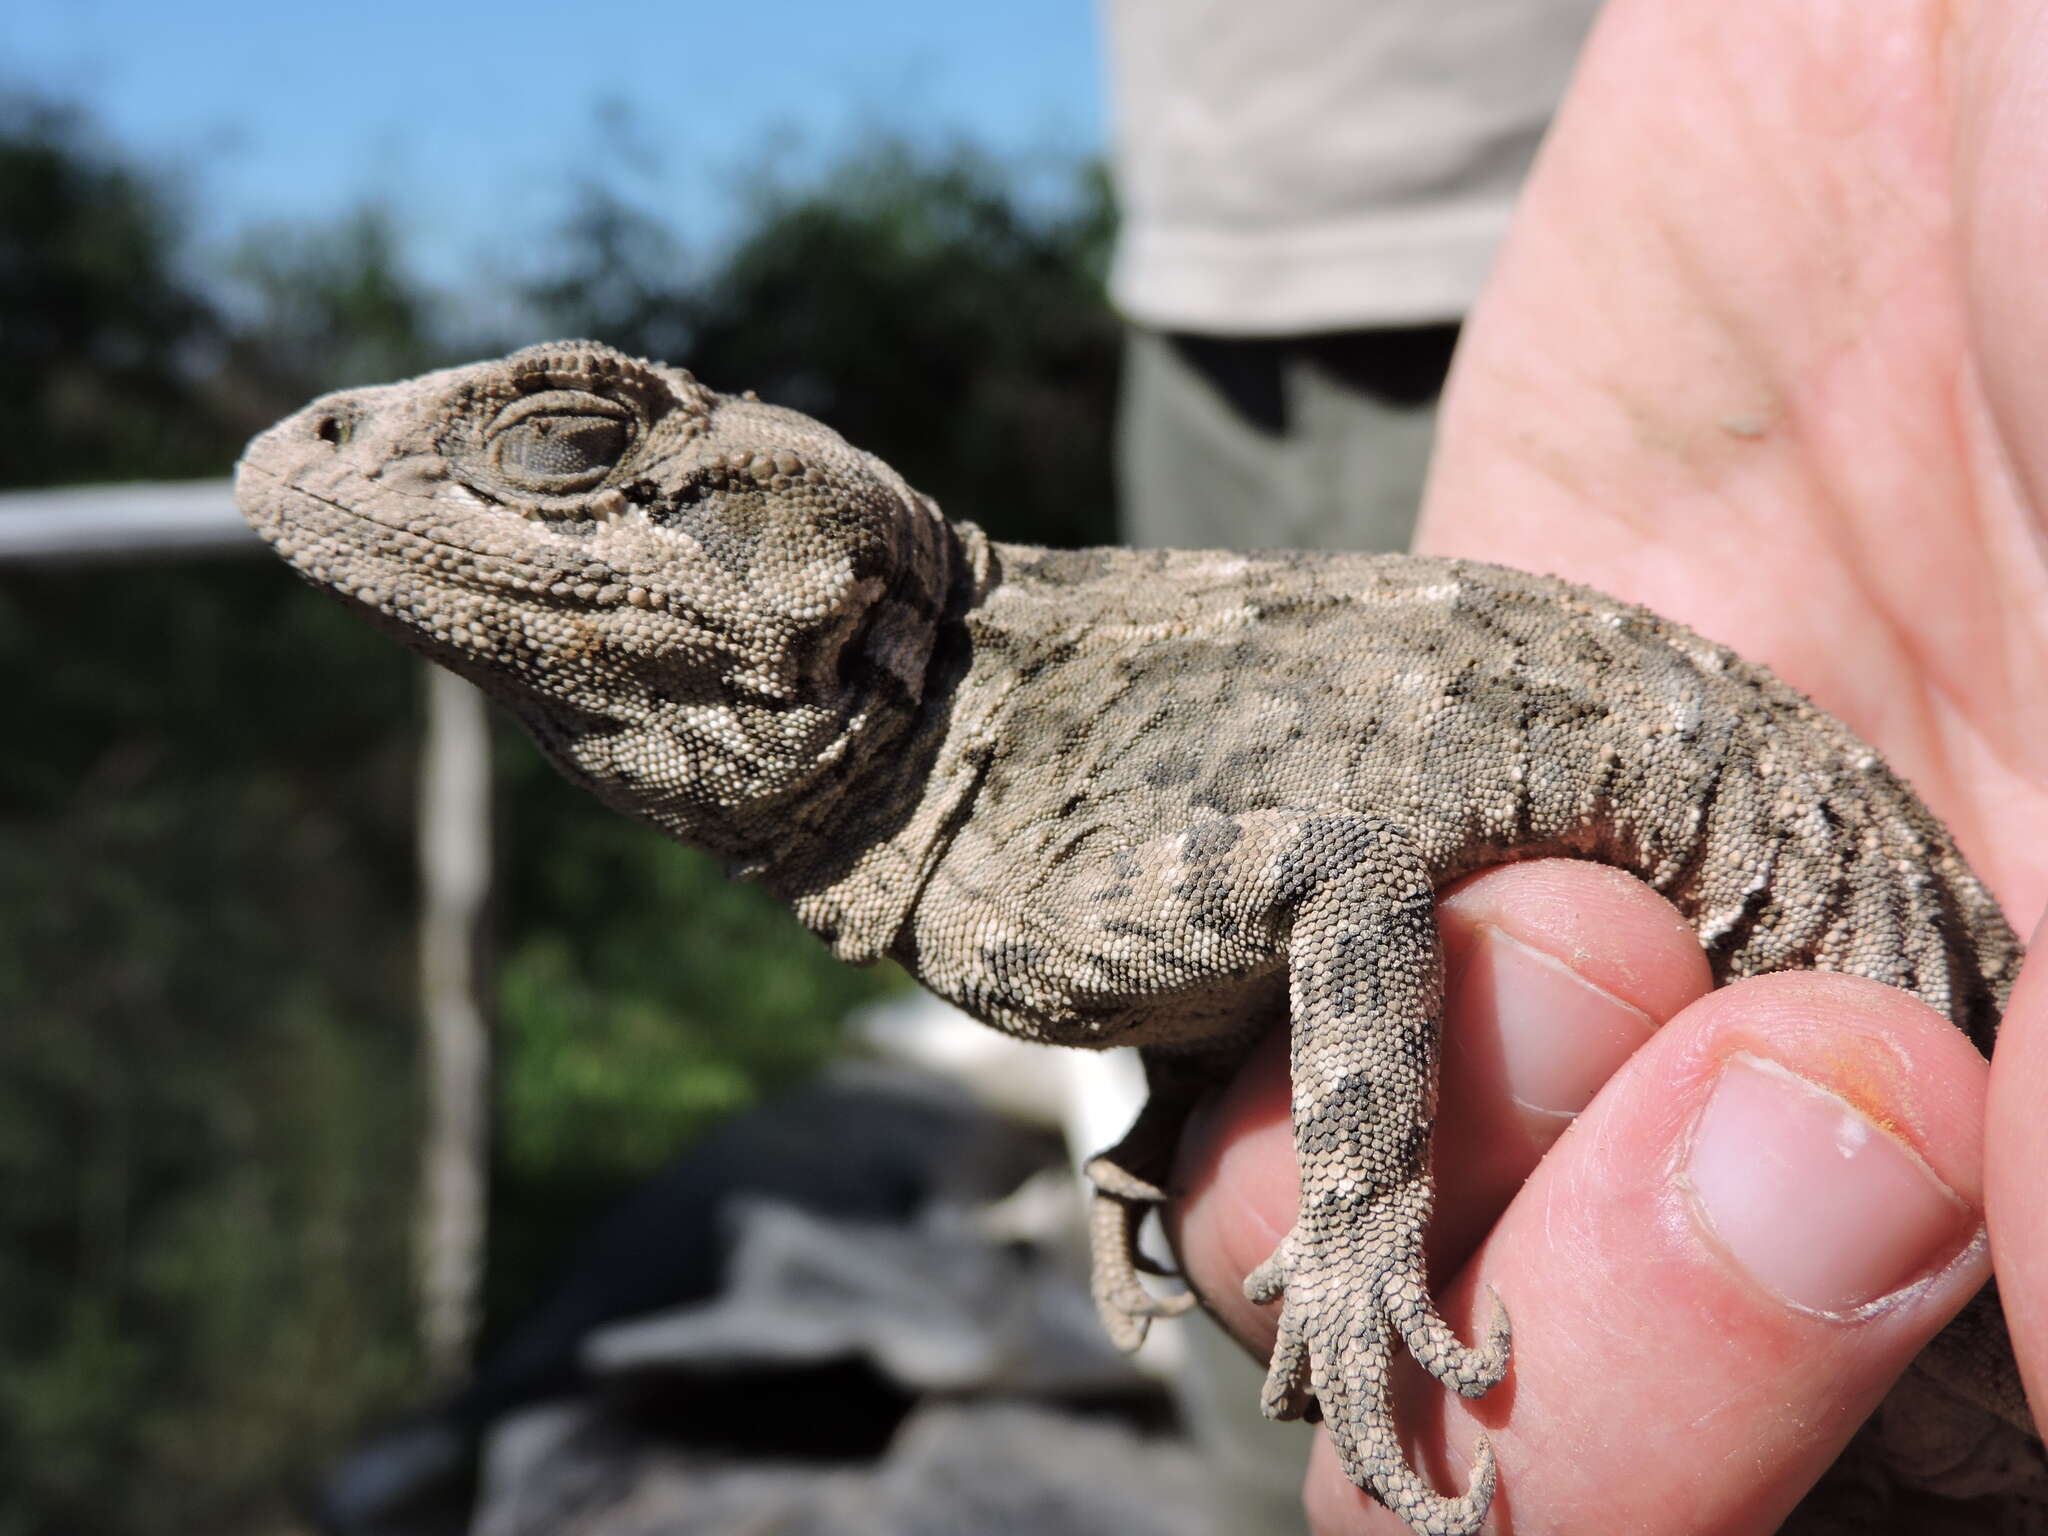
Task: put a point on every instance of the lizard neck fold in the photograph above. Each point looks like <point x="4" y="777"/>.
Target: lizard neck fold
<point x="852" y="853"/>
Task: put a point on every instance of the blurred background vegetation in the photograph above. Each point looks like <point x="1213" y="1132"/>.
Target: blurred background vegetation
<point x="208" y="1080"/>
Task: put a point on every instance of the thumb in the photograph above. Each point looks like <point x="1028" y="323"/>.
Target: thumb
<point x="2015" y="1152"/>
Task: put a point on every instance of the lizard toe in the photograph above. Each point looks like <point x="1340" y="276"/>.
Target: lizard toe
<point x="1344" y="1305"/>
<point x="1376" y="1463"/>
<point x="1468" y="1370"/>
<point x="1121" y="1300"/>
<point x="1286" y="1392"/>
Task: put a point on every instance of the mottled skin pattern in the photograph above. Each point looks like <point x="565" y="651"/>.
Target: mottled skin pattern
<point x="1160" y="799"/>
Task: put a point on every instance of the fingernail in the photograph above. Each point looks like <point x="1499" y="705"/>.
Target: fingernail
<point x="1560" y="1036"/>
<point x="1814" y="1199"/>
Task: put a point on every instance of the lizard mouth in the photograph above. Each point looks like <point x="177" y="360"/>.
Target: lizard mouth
<point x="386" y="565"/>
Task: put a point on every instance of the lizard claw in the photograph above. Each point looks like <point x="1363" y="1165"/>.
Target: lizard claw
<point x="1427" y="1512"/>
<point x="1111" y="1178"/>
<point x="1343" y="1307"/>
<point x="1467" y="1371"/>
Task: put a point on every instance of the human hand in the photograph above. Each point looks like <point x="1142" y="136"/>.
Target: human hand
<point x="1762" y="353"/>
<point x="1714" y="1274"/>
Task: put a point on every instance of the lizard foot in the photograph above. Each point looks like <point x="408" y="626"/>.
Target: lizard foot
<point x="1352" y="1284"/>
<point x="1116" y="1210"/>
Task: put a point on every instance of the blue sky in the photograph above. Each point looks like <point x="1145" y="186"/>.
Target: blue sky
<point x="471" y="118"/>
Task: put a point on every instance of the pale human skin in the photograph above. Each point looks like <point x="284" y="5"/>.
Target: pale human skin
<point x="1763" y="353"/>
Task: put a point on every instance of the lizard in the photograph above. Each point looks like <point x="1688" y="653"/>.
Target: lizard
<point x="1109" y="797"/>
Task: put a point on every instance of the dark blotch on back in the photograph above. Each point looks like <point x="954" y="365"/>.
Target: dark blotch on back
<point x="1211" y="840"/>
<point x="1174" y="768"/>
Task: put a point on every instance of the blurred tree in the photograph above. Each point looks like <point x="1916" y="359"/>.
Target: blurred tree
<point x="205" y="1111"/>
<point x="316" y="307"/>
<point x="206" y="1074"/>
<point x="193" y="1117"/>
<point x="102" y="341"/>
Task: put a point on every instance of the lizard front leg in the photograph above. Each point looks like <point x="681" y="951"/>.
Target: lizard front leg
<point x="1179" y="944"/>
<point x="1365" y="984"/>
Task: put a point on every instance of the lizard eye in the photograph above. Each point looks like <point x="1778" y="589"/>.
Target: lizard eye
<point x="560" y="441"/>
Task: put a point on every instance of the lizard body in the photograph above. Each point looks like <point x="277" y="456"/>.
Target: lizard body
<point x="1107" y="797"/>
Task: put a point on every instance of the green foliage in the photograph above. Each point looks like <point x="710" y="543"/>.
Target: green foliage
<point x="206" y="1116"/>
<point x="643" y="994"/>
<point x="642" y="997"/>
<point x="98" y="333"/>
<point x="322" y="307"/>
<point x="209" y="1086"/>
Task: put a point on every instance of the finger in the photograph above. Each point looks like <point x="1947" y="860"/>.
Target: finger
<point x="2015" y="1152"/>
<point x="1720" y="1269"/>
<point x="1556" y="971"/>
<point x="2002" y="163"/>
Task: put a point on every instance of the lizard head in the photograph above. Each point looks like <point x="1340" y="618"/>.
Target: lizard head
<point x="698" y="604"/>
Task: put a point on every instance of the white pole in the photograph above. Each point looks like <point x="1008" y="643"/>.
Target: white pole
<point x="455" y="873"/>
